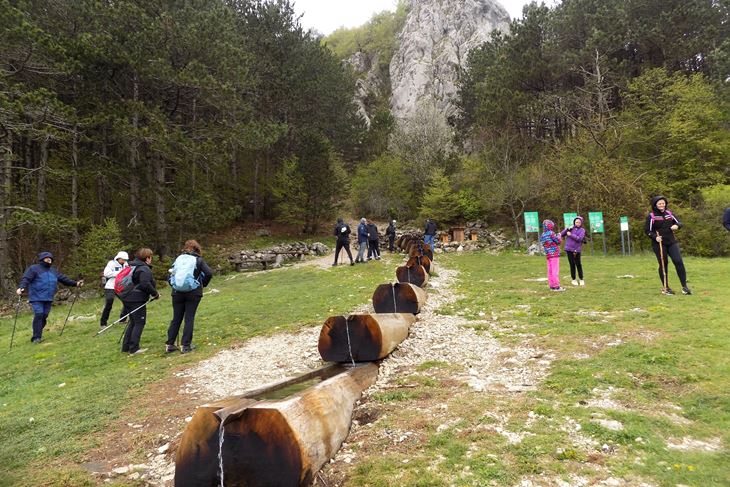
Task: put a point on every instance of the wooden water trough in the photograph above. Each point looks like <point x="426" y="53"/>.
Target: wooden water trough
<point x="420" y="260"/>
<point x="277" y="435"/>
<point x="399" y="298"/>
<point x="363" y="337"/>
<point x="416" y="275"/>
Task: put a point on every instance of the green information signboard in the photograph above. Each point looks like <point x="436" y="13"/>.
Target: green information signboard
<point x="568" y="219"/>
<point x="532" y="222"/>
<point x="596" y="221"/>
<point x="624" y="223"/>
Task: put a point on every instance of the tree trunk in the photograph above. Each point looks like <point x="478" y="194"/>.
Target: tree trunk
<point x="415" y="275"/>
<point x="133" y="166"/>
<point x="256" y="205"/>
<point x="161" y="222"/>
<point x="399" y="298"/>
<point x="5" y="190"/>
<point x="41" y="188"/>
<point x="75" y="185"/>
<point x="364" y="337"/>
<point x="101" y="195"/>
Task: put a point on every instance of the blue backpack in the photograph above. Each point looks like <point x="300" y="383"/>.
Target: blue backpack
<point x="182" y="274"/>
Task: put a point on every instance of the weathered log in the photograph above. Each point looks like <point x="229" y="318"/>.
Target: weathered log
<point x="422" y="260"/>
<point x="398" y="298"/>
<point x="253" y="441"/>
<point x="364" y="337"/>
<point x="419" y="249"/>
<point x="416" y="275"/>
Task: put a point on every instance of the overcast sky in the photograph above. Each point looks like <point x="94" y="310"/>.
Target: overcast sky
<point x="327" y="15"/>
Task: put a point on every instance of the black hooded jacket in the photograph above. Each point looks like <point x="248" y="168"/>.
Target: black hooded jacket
<point x="342" y="231"/>
<point x="660" y="222"/>
<point x="144" y="283"/>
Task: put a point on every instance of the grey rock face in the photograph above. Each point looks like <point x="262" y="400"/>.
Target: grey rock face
<point x="369" y="84"/>
<point x="434" y="42"/>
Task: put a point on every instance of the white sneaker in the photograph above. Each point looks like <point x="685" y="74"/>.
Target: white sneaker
<point x="582" y="282"/>
<point x="574" y="282"/>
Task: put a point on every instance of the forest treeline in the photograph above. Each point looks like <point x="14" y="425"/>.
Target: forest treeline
<point x="150" y="121"/>
<point x="171" y="117"/>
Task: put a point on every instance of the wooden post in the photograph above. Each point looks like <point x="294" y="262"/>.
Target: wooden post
<point x="364" y="337"/>
<point x="416" y="275"/>
<point x="399" y="298"/>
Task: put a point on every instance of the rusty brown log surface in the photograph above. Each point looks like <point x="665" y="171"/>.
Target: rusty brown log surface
<point x="422" y="260"/>
<point x="417" y="250"/>
<point x="196" y="462"/>
<point x="416" y="275"/>
<point x="363" y="337"/>
<point x="399" y="298"/>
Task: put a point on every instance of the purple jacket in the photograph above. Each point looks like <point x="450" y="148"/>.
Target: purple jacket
<point x="574" y="241"/>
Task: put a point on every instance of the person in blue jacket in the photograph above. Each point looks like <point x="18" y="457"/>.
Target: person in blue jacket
<point x="41" y="281"/>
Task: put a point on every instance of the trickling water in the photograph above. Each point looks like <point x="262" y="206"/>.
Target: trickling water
<point x="221" y="435"/>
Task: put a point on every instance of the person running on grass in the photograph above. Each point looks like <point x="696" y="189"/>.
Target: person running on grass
<point x="551" y="243"/>
<point x="189" y="275"/>
<point x="41" y="280"/>
<point x="573" y="245"/>
<point x="660" y="227"/>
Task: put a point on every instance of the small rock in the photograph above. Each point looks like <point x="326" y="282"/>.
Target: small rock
<point x="120" y="470"/>
<point x="164" y="448"/>
<point x="62" y="384"/>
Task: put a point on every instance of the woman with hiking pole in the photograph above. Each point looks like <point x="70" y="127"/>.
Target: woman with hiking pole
<point x="188" y="276"/>
<point x="41" y="280"/>
<point x="660" y="227"/>
<point x="137" y="289"/>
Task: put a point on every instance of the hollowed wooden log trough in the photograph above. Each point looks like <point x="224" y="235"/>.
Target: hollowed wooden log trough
<point x="258" y="440"/>
<point x="399" y="298"/>
<point x="364" y="337"/>
<point x="416" y="275"/>
<point x="421" y="260"/>
<point x="418" y="249"/>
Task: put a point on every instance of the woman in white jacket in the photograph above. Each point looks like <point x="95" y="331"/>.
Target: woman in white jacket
<point x="111" y="270"/>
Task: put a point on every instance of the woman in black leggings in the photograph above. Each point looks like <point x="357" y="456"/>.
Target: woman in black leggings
<point x="660" y="227"/>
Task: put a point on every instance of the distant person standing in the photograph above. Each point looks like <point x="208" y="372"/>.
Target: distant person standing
<point x="41" y="280"/>
<point x="188" y="276"/>
<point x="113" y="267"/>
<point x="362" y="240"/>
<point x="551" y="244"/>
<point x="143" y="288"/>
<point x="573" y="245"/>
<point x="660" y="227"/>
<point x="429" y="234"/>
<point x="373" y="241"/>
<point x="342" y="232"/>
<point x="726" y="219"/>
<point x="390" y="233"/>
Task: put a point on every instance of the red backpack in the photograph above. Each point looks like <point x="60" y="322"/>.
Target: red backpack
<point x="123" y="284"/>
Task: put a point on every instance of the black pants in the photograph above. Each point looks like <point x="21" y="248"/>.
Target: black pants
<point x="183" y="305"/>
<point x="670" y="251"/>
<point x="373" y="249"/>
<point x="40" y="317"/>
<point x="391" y="243"/>
<point x="574" y="261"/>
<point x="133" y="333"/>
<point x="342" y="245"/>
<point x="109" y="296"/>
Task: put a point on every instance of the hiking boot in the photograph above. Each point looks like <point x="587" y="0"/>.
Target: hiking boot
<point x="352" y="263"/>
<point x="574" y="282"/>
<point x="668" y="292"/>
<point x="557" y="289"/>
<point x="685" y="290"/>
<point x="187" y="349"/>
<point x="333" y="265"/>
<point x="35" y="340"/>
<point x="171" y="348"/>
<point x="139" y="351"/>
<point x="582" y="282"/>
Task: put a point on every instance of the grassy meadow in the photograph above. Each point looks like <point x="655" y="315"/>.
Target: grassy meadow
<point x="663" y="360"/>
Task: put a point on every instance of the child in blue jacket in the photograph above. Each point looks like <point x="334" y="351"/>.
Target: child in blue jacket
<point x="551" y="243"/>
<point x="41" y="280"/>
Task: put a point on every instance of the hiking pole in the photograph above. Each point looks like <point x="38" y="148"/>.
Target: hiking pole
<point x="121" y="319"/>
<point x="70" y="308"/>
<point x="664" y="267"/>
<point x="17" y="308"/>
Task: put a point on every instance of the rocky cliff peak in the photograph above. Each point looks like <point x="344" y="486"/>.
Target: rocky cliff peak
<point x="434" y="42"/>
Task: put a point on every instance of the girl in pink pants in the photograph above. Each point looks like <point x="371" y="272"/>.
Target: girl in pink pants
<point x="551" y="243"/>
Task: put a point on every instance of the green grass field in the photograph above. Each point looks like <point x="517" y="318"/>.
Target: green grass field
<point x="654" y="352"/>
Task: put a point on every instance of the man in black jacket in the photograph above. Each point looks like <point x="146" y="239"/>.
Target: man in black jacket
<point x="429" y="235"/>
<point x="342" y="232"/>
<point x="144" y="288"/>
<point x="390" y="233"/>
<point x="373" y="241"/>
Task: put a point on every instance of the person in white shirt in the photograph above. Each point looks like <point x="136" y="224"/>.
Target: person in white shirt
<point x="111" y="270"/>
